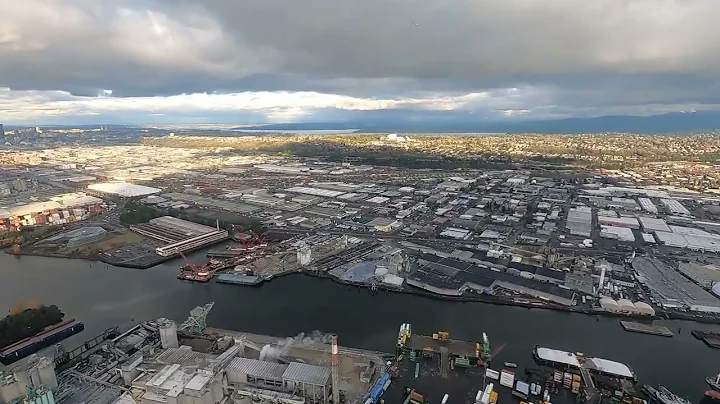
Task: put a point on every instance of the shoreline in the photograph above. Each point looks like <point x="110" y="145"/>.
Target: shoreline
<point x="487" y="299"/>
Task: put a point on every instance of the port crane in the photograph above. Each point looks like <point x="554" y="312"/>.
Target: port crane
<point x="486" y="355"/>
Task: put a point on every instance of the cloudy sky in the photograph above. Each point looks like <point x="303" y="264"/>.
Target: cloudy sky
<point x="252" y="61"/>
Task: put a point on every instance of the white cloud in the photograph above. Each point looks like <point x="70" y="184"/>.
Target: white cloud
<point x="285" y="59"/>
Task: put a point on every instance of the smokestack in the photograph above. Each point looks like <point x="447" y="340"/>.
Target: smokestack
<point x="602" y="278"/>
<point x="335" y="361"/>
<point x="217" y="224"/>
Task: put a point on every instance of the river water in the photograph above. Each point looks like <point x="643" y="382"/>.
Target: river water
<point x="102" y="296"/>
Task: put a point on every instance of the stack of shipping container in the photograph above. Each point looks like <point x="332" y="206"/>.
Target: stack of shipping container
<point x="52" y="217"/>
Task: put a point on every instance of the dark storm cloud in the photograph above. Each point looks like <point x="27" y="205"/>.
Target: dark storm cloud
<point x="544" y="57"/>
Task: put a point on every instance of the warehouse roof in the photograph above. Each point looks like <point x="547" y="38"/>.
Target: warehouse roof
<point x="309" y="374"/>
<point x="124" y="189"/>
<point x="257" y="368"/>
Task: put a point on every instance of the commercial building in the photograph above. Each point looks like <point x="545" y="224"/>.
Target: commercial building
<point x="123" y="189"/>
<point x="703" y="275"/>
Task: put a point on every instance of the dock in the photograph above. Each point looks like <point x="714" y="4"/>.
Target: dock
<point x="711" y="339"/>
<point x="660" y="330"/>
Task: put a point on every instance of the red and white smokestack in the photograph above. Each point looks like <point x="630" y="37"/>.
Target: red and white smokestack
<point x="334" y="350"/>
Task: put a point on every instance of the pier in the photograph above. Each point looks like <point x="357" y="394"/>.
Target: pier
<point x="660" y="330"/>
<point x="711" y="339"/>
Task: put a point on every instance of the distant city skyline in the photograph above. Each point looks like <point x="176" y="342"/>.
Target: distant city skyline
<point x="211" y="61"/>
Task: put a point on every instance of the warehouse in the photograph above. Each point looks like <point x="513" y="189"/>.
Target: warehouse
<point x="629" y="222"/>
<point x="123" y="189"/>
<point x="623" y="234"/>
<point x="703" y="275"/>
<point x="675" y="207"/>
<point x="181" y="235"/>
<point x="315" y="192"/>
<point x="579" y="221"/>
<point x="651" y="224"/>
<point x="671" y="289"/>
<point x="626" y="306"/>
<point x="647" y="205"/>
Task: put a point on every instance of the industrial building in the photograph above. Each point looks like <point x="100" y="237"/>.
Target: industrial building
<point x="326" y="193"/>
<point x="675" y="207"/>
<point x="160" y="362"/>
<point x="123" y="189"/>
<point x="647" y="205"/>
<point x="670" y="289"/>
<point x="77" y="237"/>
<point x="623" y="234"/>
<point x="451" y="277"/>
<point x="703" y="275"/>
<point x="181" y="235"/>
<point x="651" y="224"/>
<point x="579" y="221"/>
<point x="629" y="222"/>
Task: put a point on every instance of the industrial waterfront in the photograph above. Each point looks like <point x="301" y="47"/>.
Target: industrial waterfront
<point x="104" y="296"/>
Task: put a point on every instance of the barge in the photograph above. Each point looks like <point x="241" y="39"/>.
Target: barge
<point x="45" y="338"/>
<point x="661" y="395"/>
<point x="562" y="359"/>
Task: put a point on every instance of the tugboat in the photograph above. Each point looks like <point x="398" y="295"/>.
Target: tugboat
<point x="714" y="382"/>
<point x="661" y="395"/>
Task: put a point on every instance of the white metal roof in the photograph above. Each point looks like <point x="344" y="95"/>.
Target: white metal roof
<point x="626" y="304"/>
<point x="257" y="368"/>
<point x="612" y="367"/>
<point x="123" y="189"/>
<point x="309" y="374"/>
<point x="558" y="356"/>
<point x="606" y="302"/>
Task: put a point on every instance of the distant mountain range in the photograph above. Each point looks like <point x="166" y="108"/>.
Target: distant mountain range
<point x="398" y="121"/>
<point x="667" y="123"/>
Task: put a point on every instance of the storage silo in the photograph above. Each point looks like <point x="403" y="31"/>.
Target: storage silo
<point x="34" y="373"/>
<point x="168" y="333"/>
<point x="48" y="378"/>
<point x="23" y="378"/>
<point x="9" y="389"/>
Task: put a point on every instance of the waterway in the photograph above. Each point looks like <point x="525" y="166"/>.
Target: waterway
<point x="103" y="296"/>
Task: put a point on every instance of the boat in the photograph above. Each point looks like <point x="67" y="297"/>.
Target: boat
<point x="47" y="337"/>
<point x="510" y="365"/>
<point x="713" y="394"/>
<point x="661" y="395"/>
<point x="714" y="382"/>
<point x="564" y="360"/>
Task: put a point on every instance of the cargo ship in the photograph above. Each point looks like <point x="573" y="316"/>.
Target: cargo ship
<point x="47" y="337"/>
<point x="562" y="359"/>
